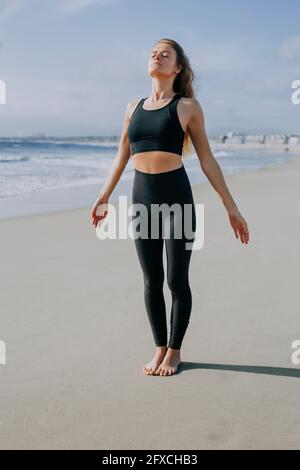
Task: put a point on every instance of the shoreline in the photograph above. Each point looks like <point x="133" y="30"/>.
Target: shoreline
<point x="255" y="146"/>
<point x="63" y="199"/>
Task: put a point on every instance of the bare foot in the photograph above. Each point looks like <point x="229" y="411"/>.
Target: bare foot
<point x="170" y="362"/>
<point x="151" y="367"/>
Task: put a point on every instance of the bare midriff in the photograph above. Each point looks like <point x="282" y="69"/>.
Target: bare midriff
<point x="156" y="161"/>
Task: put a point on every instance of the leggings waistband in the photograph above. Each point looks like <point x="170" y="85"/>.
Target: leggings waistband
<point x="165" y="185"/>
<point x="164" y="174"/>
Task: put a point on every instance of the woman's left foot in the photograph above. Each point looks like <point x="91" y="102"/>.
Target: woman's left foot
<point x="151" y="367"/>
<point x="170" y="363"/>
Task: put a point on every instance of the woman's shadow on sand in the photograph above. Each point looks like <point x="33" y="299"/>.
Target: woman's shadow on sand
<point x="281" y="371"/>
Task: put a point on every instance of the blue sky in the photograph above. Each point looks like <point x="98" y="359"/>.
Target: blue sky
<point x="71" y="66"/>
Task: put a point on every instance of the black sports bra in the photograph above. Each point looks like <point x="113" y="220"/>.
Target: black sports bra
<point x="156" y="129"/>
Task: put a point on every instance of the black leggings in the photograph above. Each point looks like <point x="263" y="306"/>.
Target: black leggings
<point x="169" y="187"/>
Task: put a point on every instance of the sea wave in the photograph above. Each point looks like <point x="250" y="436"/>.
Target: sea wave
<point x="14" y="158"/>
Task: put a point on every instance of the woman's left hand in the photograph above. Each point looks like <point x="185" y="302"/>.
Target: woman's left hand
<point x="239" y="225"/>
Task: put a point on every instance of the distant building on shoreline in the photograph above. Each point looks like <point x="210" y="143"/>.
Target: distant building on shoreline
<point x="276" y="139"/>
<point x="232" y="137"/>
<point x="256" y="138"/>
<point x="294" y="140"/>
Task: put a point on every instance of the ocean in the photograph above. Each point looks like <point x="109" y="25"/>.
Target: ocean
<point x="45" y="175"/>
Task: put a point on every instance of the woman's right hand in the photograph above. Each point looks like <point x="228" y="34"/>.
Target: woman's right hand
<point x="99" y="210"/>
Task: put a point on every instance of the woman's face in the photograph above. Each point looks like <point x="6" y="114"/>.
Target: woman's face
<point x="162" y="60"/>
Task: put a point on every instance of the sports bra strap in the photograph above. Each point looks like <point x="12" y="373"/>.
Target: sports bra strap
<point x="173" y="105"/>
<point x="137" y="107"/>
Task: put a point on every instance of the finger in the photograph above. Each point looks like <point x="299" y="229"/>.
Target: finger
<point x="245" y="228"/>
<point x="241" y="236"/>
<point x="246" y="235"/>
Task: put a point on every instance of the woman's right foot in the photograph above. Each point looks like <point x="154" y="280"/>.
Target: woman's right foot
<point x="153" y="365"/>
<point x="170" y="362"/>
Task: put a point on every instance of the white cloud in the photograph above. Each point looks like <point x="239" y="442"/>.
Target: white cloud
<point x="268" y="84"/>
<point x="206" y="56"/>
<point x="290" y="48"/>
<point x="221" y="57"/>
<point x="78" y="5"/>
<point x="9" y="7"/>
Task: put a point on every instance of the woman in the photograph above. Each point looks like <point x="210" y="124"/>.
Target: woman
<point x="155" y="132"/>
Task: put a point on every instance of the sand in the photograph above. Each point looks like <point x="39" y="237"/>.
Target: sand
<point x="77" y="335"/>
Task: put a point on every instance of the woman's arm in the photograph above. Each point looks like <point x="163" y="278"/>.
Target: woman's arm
<point x="121" y="159"/>
<point x="118" y="166"/>
<point x="212" y="169"/>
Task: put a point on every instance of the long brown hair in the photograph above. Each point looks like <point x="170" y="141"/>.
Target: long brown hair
<point x="183" y="84"/>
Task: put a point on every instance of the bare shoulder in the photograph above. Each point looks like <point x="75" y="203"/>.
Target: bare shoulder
<point x="131" y="105"/>
<point x="191" y="105"/>
<point x="189" y="111"/>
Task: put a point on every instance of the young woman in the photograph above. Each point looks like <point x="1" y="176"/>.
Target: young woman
<point x="156" y="131"/>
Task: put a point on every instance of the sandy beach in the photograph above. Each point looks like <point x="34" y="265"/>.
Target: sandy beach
<point x="77" y="335"/>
